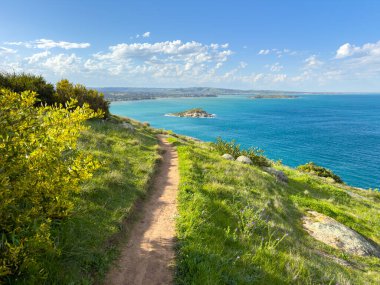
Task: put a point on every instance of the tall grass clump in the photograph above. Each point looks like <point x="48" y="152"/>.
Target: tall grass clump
<point x="231" y="147"/>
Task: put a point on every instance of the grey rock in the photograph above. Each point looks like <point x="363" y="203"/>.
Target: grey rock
<point x="337" y="235"/>
<point x="228" y="156"/>
<point x="244" y="159"/>
<point x="280" y="176"/>
<point x="127" y="126"/>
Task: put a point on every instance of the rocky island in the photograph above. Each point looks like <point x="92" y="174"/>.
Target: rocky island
<point x="274" y="97"/>
<point x="192" y="113"/>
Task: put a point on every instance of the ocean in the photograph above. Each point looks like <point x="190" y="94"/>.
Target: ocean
<point x="340" y="132"/>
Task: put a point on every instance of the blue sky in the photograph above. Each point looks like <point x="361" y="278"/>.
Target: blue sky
<point x="315" y="45"/>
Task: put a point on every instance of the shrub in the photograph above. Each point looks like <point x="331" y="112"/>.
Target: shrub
<point x="232" y="148"/>
<point x="66" y="91"/>
<point x="23" y="82"/>
<point x="311" y="167"/>
<point x="39" y="168"/>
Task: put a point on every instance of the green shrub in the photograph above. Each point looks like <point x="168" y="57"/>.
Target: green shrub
<point x="222" y="147"/>
<point x="66" y="91"/>
<point x="28" y="82"/>
<point x="232" y="148"/>
<point x="311" y="167"/>
<point x="39" y="167"/>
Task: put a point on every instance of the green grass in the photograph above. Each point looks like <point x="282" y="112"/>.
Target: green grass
<point x="88" y="241"/>
<point x="238" y="225"/>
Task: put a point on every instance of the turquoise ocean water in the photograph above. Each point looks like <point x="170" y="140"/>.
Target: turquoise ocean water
<point x="340" y="132"/>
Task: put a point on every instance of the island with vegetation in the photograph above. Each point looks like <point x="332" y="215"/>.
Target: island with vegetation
<point x="192" y="113"/>
<point x="274" y="97"/>
<point x="74" y="179"/>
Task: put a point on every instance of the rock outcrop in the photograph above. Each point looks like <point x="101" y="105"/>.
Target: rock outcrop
<point x="244" y="159"/>
<point x="335" y="234"/>
<point x="128" y="126"/>
<point x="228" y="156"/>
<point x="280" y="176"/>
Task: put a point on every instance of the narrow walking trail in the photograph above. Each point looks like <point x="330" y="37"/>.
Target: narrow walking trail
<point x="149" y="255"/>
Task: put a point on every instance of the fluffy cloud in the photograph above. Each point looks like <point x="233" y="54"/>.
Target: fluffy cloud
<point x="348" y="50"/>
<point x="345" y="50"/>
<point x="262" y="78"/>
<point x="37" y="57"/>
<point x="312" y="62"/>
<point x="49" y="44"/>
<point x="161" y="59"/>
<point x="275" y="67"/>
<point x="62" y="63"/>
<point x="4" y="51"/>
<point x="361" y="61"/>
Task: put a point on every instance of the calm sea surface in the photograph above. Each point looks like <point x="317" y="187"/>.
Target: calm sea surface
<point x="340" y="132"/>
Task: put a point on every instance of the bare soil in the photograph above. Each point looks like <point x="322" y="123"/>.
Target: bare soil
<point x="148" y="257"/>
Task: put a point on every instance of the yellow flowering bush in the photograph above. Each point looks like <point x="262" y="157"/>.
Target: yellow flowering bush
<point x="39" y="167"/>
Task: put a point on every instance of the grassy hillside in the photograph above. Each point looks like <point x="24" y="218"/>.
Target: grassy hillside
<point x="238" y="225"/>
<point x="88" y="240"/>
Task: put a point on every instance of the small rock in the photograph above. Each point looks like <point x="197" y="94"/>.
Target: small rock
<point x="280" y="176"/>
<point x="128" y="126"/>
<point x="228" y="156"/>
<point x="335" y="234"/>
<point x="244" y="159"/>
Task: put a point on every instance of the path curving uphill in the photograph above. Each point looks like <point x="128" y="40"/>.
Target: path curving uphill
<point x="149" y="255"/>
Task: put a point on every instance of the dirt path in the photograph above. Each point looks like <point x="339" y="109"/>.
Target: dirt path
<point x="149" y="255"/>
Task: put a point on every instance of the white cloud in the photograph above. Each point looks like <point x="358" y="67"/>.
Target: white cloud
<point x="4" y="50"/>
<point x="279" y="77"/>
<point x="369" y="50"/>
<point x="168" y="59"/>
<point x="49" y="44"/>
<point x="268" y="79"/>
<point x="275" y="67"/>
<point x="278" y="52"/>
<point x="264" y="52"/>
<point x="37" y="57"/>
<point x="313" y="62"/>
<point x="146" y="35"/>
<point x="243" y="64"/>
<point x="62" y="63"/>
<point x="345" y="50"/>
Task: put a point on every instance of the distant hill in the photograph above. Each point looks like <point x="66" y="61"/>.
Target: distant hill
<point x="135" y="93"/>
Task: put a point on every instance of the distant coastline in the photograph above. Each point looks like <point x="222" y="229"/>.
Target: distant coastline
<point x="115" y="94"/>
<point x="274" y="97"/>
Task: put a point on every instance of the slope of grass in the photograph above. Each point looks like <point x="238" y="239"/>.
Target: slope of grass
<point x="238" y="225"/>
<point x="87" y="240"/>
